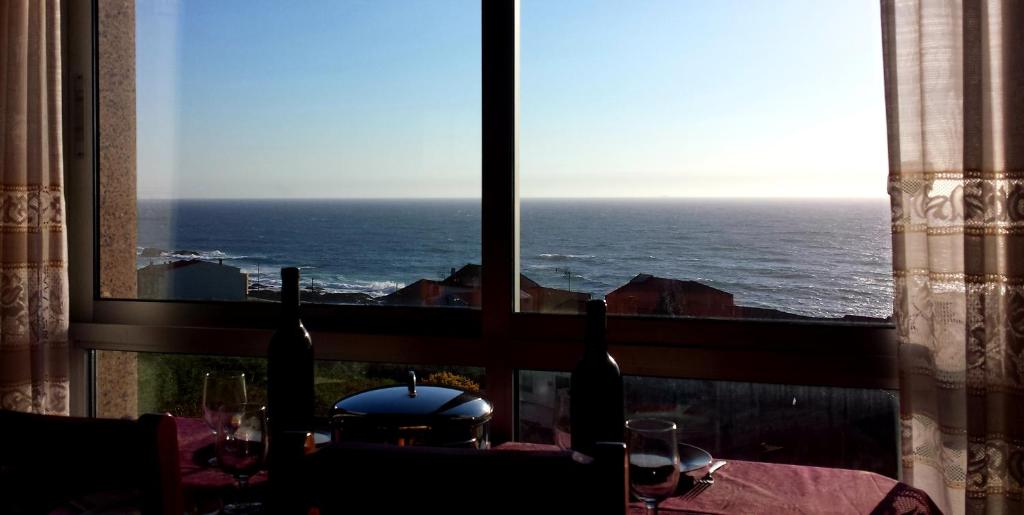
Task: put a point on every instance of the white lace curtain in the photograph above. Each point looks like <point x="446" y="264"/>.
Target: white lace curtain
<point x="954" y="74"/>
<point x="33" y="270"/>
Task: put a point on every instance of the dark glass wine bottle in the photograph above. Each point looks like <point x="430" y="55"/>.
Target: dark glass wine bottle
<point x="595" y="393"/>
<point x="290" y="390"/>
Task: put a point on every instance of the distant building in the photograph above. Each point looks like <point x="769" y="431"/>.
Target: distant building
<point x="192" y="279"/>
<point x="649" y="295"/>
<point x="426" y="292"/>
<point x="462" y="288"/>
<point x="646" y="294"/>
<point x="466" y="277"/>
<point x="539" y="299"/>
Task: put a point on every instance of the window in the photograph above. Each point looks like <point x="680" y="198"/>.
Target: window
<point x="682" y="159"/>
<point x="120" y="332"/>
<point x="173" y="383"/>
<point x="853" y="428"/>
<point x="342" y="138"/>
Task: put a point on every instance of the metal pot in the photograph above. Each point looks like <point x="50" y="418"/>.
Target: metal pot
<point x="413" y="415"/>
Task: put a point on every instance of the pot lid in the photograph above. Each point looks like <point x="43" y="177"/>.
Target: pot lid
<point x="412" y="400"/>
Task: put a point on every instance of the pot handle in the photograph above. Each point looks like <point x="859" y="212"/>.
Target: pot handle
<point x="412" y="383"/>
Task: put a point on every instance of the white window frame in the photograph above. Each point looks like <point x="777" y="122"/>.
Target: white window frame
<point x="496" y="337"/>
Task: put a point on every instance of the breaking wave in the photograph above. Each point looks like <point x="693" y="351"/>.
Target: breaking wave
<point x="565" y="257"/>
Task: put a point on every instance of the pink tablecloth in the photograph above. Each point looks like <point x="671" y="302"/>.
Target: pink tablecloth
<point x="753" y="487"/>
<point x="740" y="487"/>
<point x="203" y="486"/>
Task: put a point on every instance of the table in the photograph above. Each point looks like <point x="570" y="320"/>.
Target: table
<point x="203" y="487"/>
<point x="749" y="487"/>
<point x="754" y="487"/>
<point x="740" y="487"/>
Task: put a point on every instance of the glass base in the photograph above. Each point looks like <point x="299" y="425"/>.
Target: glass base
<point x="242" y="508"/>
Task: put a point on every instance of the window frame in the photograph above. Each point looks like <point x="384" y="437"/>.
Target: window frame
<point x="496" y="336"/>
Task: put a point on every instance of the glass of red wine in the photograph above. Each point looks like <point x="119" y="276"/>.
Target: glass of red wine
<point x="242" y="448"/>
<point x="653" y="460"/>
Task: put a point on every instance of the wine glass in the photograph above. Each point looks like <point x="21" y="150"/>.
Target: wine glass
<point x="562" y="429"/>
<point x="653" y="460"/>
<point x="221" y="389"/>
<point x="242" y="448"/>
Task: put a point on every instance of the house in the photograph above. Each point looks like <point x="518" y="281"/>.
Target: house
<point x="192" y="279"/>
<point x="540" y="299"/>
<point x="462" y="288"/>
<point x="646" y="294"/>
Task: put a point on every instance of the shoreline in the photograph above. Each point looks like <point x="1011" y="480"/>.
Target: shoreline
<point x="316" y="297"/>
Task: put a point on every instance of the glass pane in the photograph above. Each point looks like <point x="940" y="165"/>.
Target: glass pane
<point x="338" y="379"/>
<point x="342" y="137"/>
<point x="173" y="383"/>
<point x="810" y="425"/>
<point x="712" y="159"/>
<point x="129" y="384"/>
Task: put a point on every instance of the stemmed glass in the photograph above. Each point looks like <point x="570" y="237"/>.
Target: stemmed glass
<point x="221" y="389"/>
<point x="242" y="448"/>
<point x="653" y="460"/>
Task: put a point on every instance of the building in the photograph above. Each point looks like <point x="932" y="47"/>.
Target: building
<point x="192" y="279"/>
<point x="539" y="299"/>
<point x="462" y="288"/>
<point x="646" y="294"/>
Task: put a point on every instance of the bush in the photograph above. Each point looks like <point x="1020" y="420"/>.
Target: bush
<point x="449" y="379"/>
<point x="173" y="383"/>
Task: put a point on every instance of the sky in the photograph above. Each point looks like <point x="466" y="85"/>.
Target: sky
<point x="381" y="98"/>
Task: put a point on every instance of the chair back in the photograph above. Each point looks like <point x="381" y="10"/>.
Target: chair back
<point x="66" y="463"/>
<point x="365" y="478"/>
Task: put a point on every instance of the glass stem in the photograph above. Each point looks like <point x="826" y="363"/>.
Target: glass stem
<point x="650" y="508"/>
<point x="243" y="483"/>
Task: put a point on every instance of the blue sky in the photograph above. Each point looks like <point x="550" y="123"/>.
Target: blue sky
<point x="381" y="98"/>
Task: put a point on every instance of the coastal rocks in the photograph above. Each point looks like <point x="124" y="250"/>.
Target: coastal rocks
<point x="158" y="252"/>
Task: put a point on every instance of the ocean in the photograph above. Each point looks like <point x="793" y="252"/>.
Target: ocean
<point x="823" y="258"/>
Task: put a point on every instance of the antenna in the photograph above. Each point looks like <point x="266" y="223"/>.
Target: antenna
<point x="567" y="273"/>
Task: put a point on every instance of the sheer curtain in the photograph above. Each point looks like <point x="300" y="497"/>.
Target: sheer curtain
<point x="954" y="74"/>
<point x="33" y="271"/>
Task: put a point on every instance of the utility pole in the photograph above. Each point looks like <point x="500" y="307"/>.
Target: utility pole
<point x="567" y="273"/>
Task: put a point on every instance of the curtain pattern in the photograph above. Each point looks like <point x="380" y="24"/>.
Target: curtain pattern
<point x="33" y="271"/>
<point x="954" y="74"/>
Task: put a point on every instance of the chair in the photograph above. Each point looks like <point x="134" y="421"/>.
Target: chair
<point x="70" y="464"/>
<point x="370" y="478"/>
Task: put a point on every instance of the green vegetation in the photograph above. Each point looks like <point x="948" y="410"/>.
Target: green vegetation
<point x="173" y="383"/>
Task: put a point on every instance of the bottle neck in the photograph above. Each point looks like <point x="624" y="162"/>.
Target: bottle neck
<point x="289" y="315"/>
<point x="594" y="341"/>
<point x="596" y="320"/>
<point x="289" y="303"/>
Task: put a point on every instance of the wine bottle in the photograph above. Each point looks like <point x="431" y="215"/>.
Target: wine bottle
<point x="595" y="392"/>
<point x="290" y="390"/>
